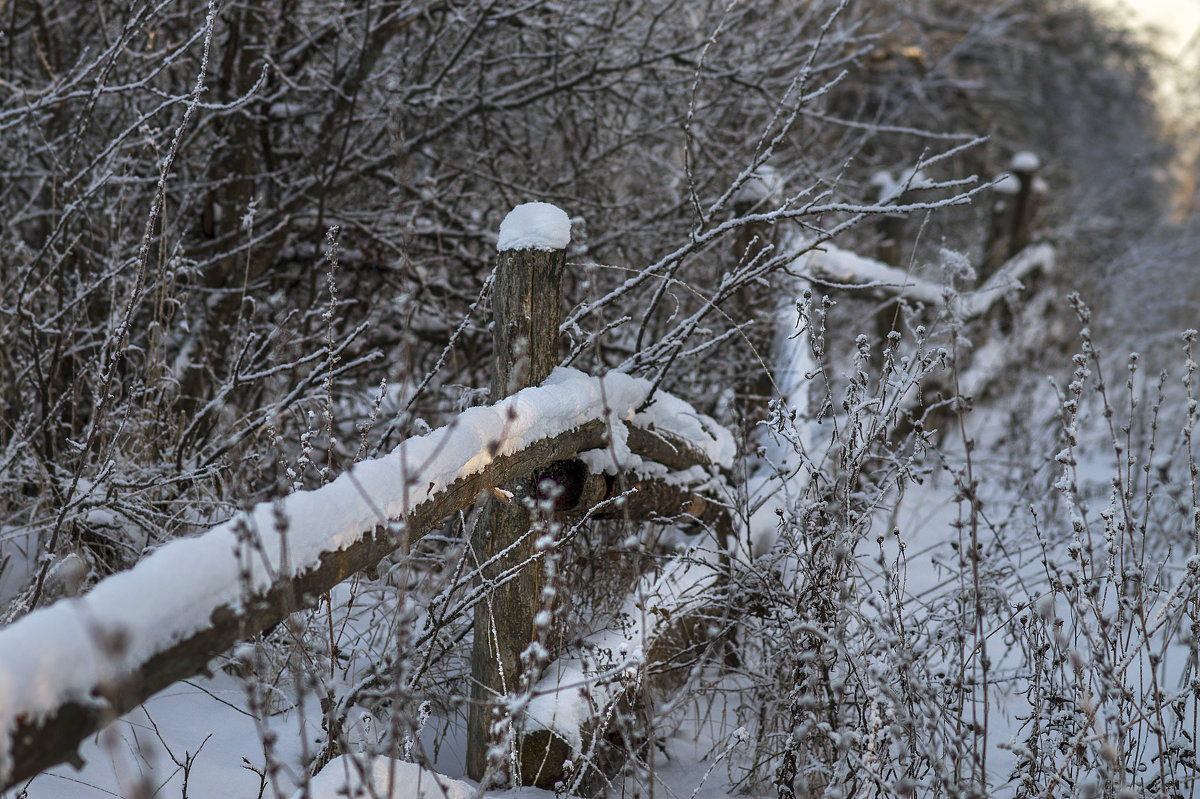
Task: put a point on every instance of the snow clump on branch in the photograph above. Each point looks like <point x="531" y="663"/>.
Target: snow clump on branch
<point x="535" y="226"/>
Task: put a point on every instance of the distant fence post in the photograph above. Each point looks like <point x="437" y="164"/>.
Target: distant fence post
<point x="1000" y="224"/>
<point x="755" y="242"/>
<point x="889" y="226"/>
<point x="1025" y="166"/>
<point x="1017" y="197"/>
<point x="912" y="186"/>
<point x="527" y="310"/>
<point x="762" y="192"/>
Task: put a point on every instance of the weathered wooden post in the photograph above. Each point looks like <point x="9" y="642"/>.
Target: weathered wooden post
<point x="889" y="226"/>
<point x="1025" y="166"/>
<point x="1000" y="225"/>
<point x="527" y="310"/>
<point x="762" y="192"/>
<point x="1018" y="194"/>
<point x="912" y="186"/>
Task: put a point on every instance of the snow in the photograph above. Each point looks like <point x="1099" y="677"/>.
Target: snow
<point x="667" y="412"/>
<point x="535" y="226"/>
<point x="1008" y="278"/>
<point x="891" y="189"/>
<point x="1026" y="161"/>
<point x="20" y="546"/>
<point x="205" y="718"/>
<point x="783" y="474"/>
<point x="573" y="688"/>
<point x="62" y="652"/>
<point x="836" y="265"/>
<point x="380" y="777"/>
<point x="1006" y="183"/>
<point x="764" y="183"/>
<point x="670" y="414"/>
<point x="848" y="269"/>
<point x="884" y="185"/>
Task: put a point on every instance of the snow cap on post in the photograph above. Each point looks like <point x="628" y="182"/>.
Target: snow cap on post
<point x="884" y="185"/>
<point x="913" y="179"/>
<point x="1006" y="183"/>
<point x="1025" y="161"/>
<point x="535" y="226"/>
<point x="764" y="183"/>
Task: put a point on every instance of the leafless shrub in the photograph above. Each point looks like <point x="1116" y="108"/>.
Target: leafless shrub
<point x="244" y="246"/>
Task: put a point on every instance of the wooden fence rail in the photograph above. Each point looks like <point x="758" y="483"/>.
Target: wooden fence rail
<point x="69" y="669"/>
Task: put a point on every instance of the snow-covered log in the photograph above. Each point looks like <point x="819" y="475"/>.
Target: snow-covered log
<point x="69" y="669"/>
<point x="835" y="268"/>
<point x="1015" y="275"/>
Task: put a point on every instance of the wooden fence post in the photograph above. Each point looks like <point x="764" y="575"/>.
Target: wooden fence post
<point x="1000" y="226"/>
<point x="1025" y="166"/>
<point x="911" y="187"/>
<point x="889" y="226"/>
<point x="527" y="311"/>
<point x="1018" y="196"/>
<point x="762" y="192"/>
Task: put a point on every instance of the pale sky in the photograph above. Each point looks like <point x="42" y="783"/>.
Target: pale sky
<point x="1178" y="19"/>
